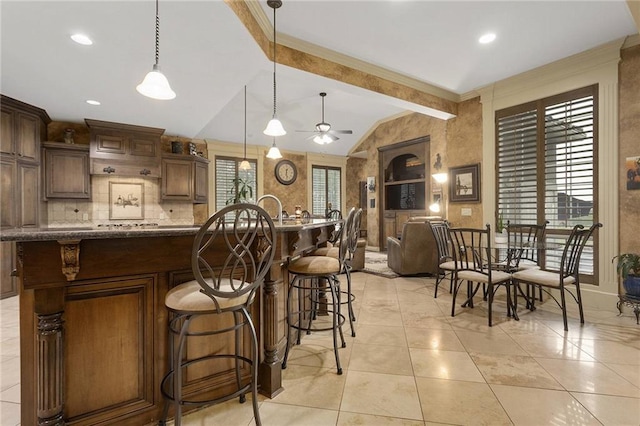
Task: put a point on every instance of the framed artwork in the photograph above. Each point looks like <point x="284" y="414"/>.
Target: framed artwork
<point x="126" y="200"/>
<point x="632" y="169"/>
<point x="465" y="184"/>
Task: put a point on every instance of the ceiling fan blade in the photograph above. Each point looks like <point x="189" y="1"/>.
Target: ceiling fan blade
<point x="307" y="131"/>
<point x="344" y="132"/>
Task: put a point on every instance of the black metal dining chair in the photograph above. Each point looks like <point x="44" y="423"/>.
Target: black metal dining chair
<point x="473" y="254"/>
<point x="568" y="274"/>
<point x="446" y="263"/>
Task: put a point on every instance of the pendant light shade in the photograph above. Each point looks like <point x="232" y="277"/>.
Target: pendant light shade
<point x="155" y="85"/>
<point x="274" y="152"/>
<point x="274" y="127"/>
<point x="244" y="164"/>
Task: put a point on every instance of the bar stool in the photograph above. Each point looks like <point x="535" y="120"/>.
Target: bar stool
<point x="352" y="229"/>
<point x="312" y="276"/>
<point x="232" y="252"/>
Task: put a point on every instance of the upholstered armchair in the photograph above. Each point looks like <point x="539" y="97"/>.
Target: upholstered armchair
<point x="416" y="251"/>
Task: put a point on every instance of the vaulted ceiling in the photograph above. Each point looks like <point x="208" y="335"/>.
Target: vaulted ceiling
<point x="375" y="59"/>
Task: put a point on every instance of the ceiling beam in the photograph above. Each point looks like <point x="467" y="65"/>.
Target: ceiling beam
<point x="634" y="8"/>
<point x="324" y="62"/>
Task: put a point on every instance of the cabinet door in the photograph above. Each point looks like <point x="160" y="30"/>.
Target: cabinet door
<point x="110" y="143"/>
<point x="401" y="219"/>
<point x="177" y="180"/>
<point x="8" y="205"/>
<point x="201" y="190"/>
<point x="144" y="147"/>
<point x="67" y="174"/>
<point x="389" y="229"/>
<point x="8" y="282"/>
<point x="28" y="190"/>
<point x="28" y="137"/>
<point x="7" y="143"/>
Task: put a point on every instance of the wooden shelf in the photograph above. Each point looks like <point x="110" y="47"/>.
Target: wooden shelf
<point x="400" y="182"/>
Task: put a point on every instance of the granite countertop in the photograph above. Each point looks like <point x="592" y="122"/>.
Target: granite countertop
<point x="54" y="234"/>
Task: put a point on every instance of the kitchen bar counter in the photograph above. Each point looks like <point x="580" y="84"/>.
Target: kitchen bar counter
<point x="93" y="325"/>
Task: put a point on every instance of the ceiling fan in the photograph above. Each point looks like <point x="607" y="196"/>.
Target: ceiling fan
<point x="323" y="132"/>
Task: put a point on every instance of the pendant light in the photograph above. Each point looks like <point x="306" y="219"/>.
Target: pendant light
<point x="274" y="152"/>
<point x="155" y="85"/>
<point x="274" y="127"/>
<point x="244" y="164"/>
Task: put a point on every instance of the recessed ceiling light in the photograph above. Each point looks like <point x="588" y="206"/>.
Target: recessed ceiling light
<point x="487" y="38"/>
<point x="82" y="39"/>
<point x="92" y="102"/>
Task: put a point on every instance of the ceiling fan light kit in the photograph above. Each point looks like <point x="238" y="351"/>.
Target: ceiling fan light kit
<point x="155" y="85"/>
<point x="274" y="127"/>
<point x="324" y="134"/>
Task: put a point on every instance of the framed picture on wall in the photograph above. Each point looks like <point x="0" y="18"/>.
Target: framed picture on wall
<point x="126" y="200"/>
<point x="632" y="168"/>
<point x="464" y="186"/>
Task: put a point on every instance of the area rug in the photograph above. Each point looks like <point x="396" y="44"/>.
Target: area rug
<point x="376" y="263"/>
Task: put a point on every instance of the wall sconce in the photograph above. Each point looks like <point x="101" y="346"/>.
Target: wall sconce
<point x="371" y="183"/>
<point x="440" y="177"/>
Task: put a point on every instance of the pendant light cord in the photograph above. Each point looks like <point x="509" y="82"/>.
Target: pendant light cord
<point x="157" y="34"/>
<point x="245" y="122"/>
<point x="274" y="61"/>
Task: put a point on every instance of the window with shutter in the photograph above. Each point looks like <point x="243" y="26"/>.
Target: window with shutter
<point x="545" y="166"/>
<point x="226" y="171"/>
<point x="326" y="184"/>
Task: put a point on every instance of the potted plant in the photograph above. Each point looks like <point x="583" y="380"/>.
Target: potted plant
<point x="628" y="268"/>
<point x="501" y="236"/>
<point x="241" y="192"/>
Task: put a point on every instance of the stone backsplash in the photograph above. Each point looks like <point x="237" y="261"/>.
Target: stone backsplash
<point x="91" y="213"/>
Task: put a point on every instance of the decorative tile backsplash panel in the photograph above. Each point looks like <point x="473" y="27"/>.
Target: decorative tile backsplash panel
<point x="81" y="213"/>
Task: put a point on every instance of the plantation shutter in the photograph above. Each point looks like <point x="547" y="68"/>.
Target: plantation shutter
<point x="517" y="167"/>
<point x="545" y="166"/>
<point x="326" y="185"/>
<point x="226" y="171"/>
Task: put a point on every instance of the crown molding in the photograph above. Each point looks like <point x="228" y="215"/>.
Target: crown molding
<point x="632" y="40"/>
<point x="366" y="67"/>
<point x="603" y="55"/>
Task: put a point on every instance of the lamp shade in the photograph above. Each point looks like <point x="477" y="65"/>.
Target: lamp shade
<point x="244" y="165"/>
<point x="323" y="139"/>
<point x="274" y="152"/>
<point x="440" y="177"/>
<point x="156" y="86"/>
<point x="274" y="128"/>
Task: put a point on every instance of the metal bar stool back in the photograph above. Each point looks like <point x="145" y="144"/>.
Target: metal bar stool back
<point x="231" y="255"/>
<point x="313" y="276"/>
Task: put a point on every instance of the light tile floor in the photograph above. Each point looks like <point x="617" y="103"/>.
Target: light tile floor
<point x="411" y="363"/>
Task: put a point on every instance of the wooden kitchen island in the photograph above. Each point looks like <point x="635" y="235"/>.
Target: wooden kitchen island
<point x="93" y="325"/>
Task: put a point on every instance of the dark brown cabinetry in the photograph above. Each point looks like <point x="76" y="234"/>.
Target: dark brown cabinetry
<point x="23" y="129"/>
<point x="124" y="149"/>
<point x="66" y="171"/>
<point x="185" y="178"/>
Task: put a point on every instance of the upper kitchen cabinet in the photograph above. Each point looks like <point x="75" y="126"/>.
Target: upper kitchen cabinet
<point x="66" y="171"/>
<point x="185" y="178"/>
<point x="23" y="129"/>
<point x="124" y="149"/>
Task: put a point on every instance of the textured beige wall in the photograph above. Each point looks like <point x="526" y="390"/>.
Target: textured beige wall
<point x="629" y="134"/>
<point x="464" y="147"/>
<point x="401" y="129"/>
<point x="289" y="195"/>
